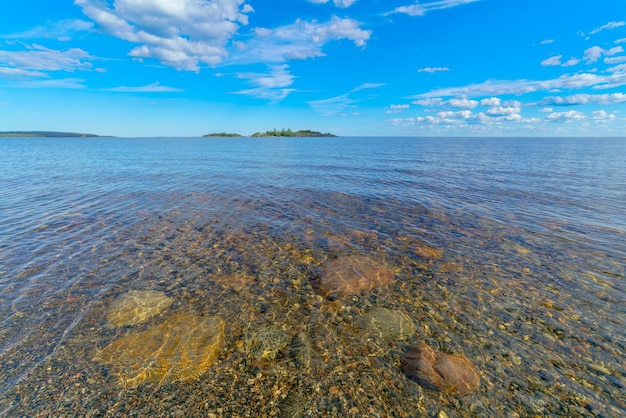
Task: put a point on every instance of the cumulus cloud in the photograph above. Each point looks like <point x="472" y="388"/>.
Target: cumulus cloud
<point x="181" y="34"/>
<point x="608" y="26"/>
<point x="463" y="103"/>
<point x="338" y="3"/>
<point x="595" y="52"/>
<point x="581" y="99"/>
<point x="432" y="69"/>
<point x="492" y="101"/>
<point x="556" y="61"/>
<point x="271" y="85"/>
<point x="299" y="40"/>
<point x="420" y="9"/>
<point x="39" y="58"/>
<point x="602" y="116"/>
<point x="569" y="116"/>
<point x="615" y="60"/>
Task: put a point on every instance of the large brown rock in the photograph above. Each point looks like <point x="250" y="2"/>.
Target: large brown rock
<point x="351" y="275"/>
<point x="182" y="347"/>
<point x="448" y="373"/>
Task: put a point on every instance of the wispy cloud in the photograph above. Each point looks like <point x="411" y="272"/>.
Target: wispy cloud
<point x="150" y="88"/>
<point x="608" y="26"/>
<point x="181" y="34"/>
<point x="501" y="87"/>
<point x="546" y="41"/>
<point x="420" y="9"/>
<point x="299" y="40"/>
<point x="39" y="58"/>
<point x="272" y="85"/>
<point x="62" y="30"/>
<point x="59" y="83"/>
<point x="338" y="3"/>
<point x="432" y="69"/>
<point x="341" y="105"/>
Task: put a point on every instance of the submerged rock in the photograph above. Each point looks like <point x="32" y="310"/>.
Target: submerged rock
<point x="389" y="324"/>
<point x="303" y="351"/>
<point x="351" y="275"/>
<point x="448" y="373"/>
<point x="180" y="348"/>
<point x="265" y="343"/>
<point x="137" y="306"/>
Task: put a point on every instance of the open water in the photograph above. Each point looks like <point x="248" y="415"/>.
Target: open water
<point x="510" y="251"/>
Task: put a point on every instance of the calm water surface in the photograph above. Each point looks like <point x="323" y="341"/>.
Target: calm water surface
<point x="509" y="251"/>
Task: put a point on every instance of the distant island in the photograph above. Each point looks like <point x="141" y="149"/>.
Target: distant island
<point x="47" y="134"/>
<point x="274" y="133"/>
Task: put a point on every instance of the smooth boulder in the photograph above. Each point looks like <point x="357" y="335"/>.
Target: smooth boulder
<point x="448" y="373"/>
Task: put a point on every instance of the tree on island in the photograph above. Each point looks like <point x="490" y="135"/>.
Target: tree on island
<point x="221" y="135"/>
<point x="290" y="133"/>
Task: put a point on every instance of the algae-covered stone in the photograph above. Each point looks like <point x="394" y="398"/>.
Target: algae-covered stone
<point x="388" y="324"/>
<point x="265" y="343"/>
<point x="180" y="348"/>
<point x="351" y="275"/>
<point x="137" y="306"/>
<point x="448" y="373"/>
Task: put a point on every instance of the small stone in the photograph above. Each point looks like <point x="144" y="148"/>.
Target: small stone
<point x="599" y="368"/>
<point x="448" y="373"/>
<point x="442" y="414"/>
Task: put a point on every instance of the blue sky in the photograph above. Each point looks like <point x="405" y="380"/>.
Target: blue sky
<point x="350" y="67"/>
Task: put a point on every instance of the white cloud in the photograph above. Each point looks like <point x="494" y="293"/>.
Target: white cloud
<point x="61" y="30"/>
<point x="271" y="85"/>
<point x="595" y="52"/>
<point x="59" y="83"/>
<point x="367" y="86"/>
<point x="399" y="106"/>
<point x="581" y="99"/>
<point x="570" y="62"/>
<point x="602" y="116"/>
<point x="421" y="9"/>
<point x="463" y="103"/>
<point x="546" y="41"/>
<point x="501" y="87"/>
<point x="299" y="40"/>
<point x="150" y="88"/>
<point x="8" y="72"/>
<point x="338" y="3"/>
<point x="615" y="60"/>
<point x="181" y="34"/>
<point x="610" y="25"/>
<point x="503" y="111"/>
<point x="432" y="101"/>
<point x="552" y="61"/>
<point x="492" y="101"/>
<point x="432" y="69"/>
<point x="340" y="105"/>
<point x="620" y="41"/>
<point x="39" y="58"/>
<point x="569" y="116"/>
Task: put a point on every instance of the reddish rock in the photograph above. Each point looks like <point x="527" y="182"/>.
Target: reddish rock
<point x="448" y="373"/>
<point x="351" y="275"/>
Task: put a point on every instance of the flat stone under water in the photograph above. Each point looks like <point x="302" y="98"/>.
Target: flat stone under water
<point x="182" y="347"/>
<point x="137" y="306"/>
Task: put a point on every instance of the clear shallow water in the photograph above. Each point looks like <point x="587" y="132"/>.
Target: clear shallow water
<point x="511" y="251"/>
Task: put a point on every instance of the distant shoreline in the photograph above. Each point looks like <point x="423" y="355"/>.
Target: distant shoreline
<point x="288" y="133"/>
<point x="48" y="134"/>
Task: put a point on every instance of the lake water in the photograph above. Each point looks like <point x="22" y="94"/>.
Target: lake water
<point x="510" y="251"/>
